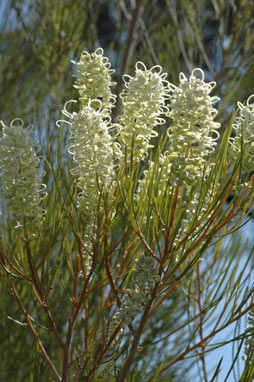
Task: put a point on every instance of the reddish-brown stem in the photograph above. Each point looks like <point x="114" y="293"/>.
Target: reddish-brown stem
<point x="146" y="245"/>
<point x="188" y="349"/>
<point x="40" y="298"/>
<point x="35" y="335"/>
<point x="75" y="310"/>
<point x="86" y="325"/>
<point x="6" y="261"/>
<point x="201" y="319"/>
<point x="165" y="295"/>
<point x="169" y="229"/>
<point x="114" y="289"/>
<point x="65" y="367"/>
<point x="218" y="209"/>
<point x="103" y="352"/>
<point x="137" y="337"/>
<point x="32" y="269"/>
<point x="111" y="281"/>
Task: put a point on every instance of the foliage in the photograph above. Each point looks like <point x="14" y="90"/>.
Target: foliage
<point x="110" y="277"/>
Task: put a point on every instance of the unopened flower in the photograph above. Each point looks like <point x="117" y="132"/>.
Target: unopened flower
<point x="193" y="133"/>
<point x="19" y="172"/>
<point x="143" y="101"/>
<point x="243" y="142"/>
<point x="143" y="280"/>
<point x="93" y="152"/>
<point x="249" y="341"/>
<point x="93" y="79"/>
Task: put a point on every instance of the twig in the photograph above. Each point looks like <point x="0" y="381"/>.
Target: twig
<point x="137" y="337"/>
<point x="129" y="44"/>
<point x="189" y="348"/>
<point x="35" y="335"/>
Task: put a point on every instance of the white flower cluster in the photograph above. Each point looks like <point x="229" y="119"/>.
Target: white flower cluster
<point x="92" y="149"/>
<point x="249" y="341"/>
<point x="143" y="280"/>
<point x="191" y="139"/>
<point x="193" y="133"/>
<point x="93" y="79"/>
<point x="143" y="100"/>
<point x="19" y="173"/>
<point x="243" y="142"/>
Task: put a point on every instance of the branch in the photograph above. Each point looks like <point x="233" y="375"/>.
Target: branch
<point x="127" y="56"/>
<point x="35" y="335"/>
<point x="200" y="343"/>
<point x="137" y="337"/>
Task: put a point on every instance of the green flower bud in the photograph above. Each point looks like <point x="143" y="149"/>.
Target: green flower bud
<point x="143" y="280"/>
<point x="249" y="341"/>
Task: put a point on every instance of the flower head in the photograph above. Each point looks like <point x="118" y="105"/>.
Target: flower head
<point x="20" y="176"/>
<point x="193" y="133"/>
<point x="92" y="148"/>
<point x="93" y="79"/>
<point x="244" y="137"/>
<point x="143" y="101"/>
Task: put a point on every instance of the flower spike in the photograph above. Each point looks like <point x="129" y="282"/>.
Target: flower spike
<point x="143" y="99"/>
<point x="244" y="137"/>
<point x="93" y="79"/>
<point x="20" y="175"/>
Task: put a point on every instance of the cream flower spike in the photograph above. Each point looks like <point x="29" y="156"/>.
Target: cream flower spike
<point x="19" y="173"/>
<point x="144" y="99"/>
<point x="193" y="130"/>
<point x="93" y="79"/>
<point x="191" y="109"/>
<point x="93" y="152"/>
<point x="244" y="127"/>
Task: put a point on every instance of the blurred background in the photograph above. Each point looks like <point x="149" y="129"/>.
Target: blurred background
<point x="39" y="38"/>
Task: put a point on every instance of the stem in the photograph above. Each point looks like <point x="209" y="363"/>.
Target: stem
<point x="75" y="310"/>
<point x="65" y="366"/>
<point x="201" y="323"/>
<point x="171" y="224"/>
<point x="130" y="41"/>
<point x="189" y="348"/>
<point x="40" y="297"/>
<point x="104" y="351"/>
<point x="32" y="269"/>
<point x="137" y="337"/>
<point x="35" y="335"/>
<point x="129" y="45"/>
